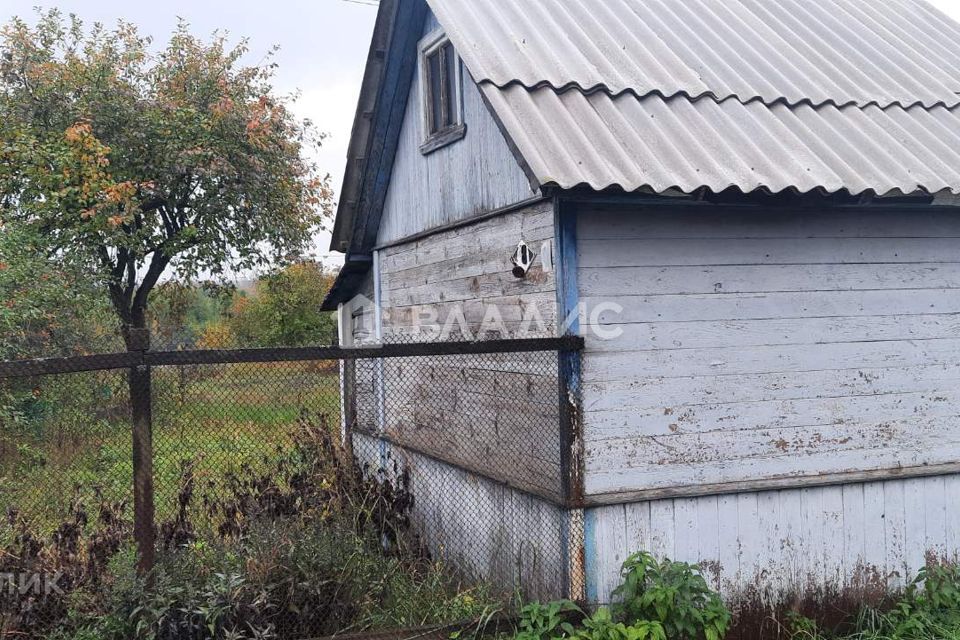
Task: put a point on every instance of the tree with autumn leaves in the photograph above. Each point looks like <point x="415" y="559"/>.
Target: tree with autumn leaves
<point x="124" y="161"/>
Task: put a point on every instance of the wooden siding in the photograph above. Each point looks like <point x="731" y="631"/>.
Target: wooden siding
<point x="363" y="384"/>
<point x="469" y="177"/>
<point x="496" y="415"/>
<point x="778" y="547"/>
<point x="467" y="270"/>
<point x="759" y="346"/>
<point x="504" y="537"/>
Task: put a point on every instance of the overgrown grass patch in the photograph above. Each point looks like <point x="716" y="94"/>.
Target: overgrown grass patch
<point x="266" y="528"/>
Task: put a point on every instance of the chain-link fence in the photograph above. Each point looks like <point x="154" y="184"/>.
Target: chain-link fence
<point x="289" y="493"/>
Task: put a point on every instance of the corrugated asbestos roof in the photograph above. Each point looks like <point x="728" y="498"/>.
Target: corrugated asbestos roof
<point x="862" y="95"/>
<point x="572" y="138"/>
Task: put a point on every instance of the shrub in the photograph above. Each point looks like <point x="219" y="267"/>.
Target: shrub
<point x="545" y="621"/>
<point x="303" y="543"/>
<point x="673" y="594"/>
<point x="656" y="601"/>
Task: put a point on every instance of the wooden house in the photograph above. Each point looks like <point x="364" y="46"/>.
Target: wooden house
<point x="764" y="191"/>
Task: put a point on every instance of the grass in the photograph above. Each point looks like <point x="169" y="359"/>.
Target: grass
<point x="222" y="417"/>
<point x="266" y="524"/>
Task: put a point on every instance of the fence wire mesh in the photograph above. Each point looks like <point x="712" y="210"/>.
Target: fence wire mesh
<point x="294" y="499"/>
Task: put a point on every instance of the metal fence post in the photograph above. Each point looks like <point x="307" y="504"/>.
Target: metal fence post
<point x="141" y="405"/>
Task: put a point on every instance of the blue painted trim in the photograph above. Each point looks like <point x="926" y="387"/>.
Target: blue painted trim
<point x="565" y="234"/>
<point x="590" y="555"/>
<point x="568" y="299"/>
<point x="402" y="59"/>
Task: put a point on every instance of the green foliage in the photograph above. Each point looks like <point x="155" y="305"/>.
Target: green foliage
<point x="284" y="310"/>
<point x="672" y="593"/>
<point x="126" y="160"/>
<point x="181" y="312"/>
<point x="929" y="609"/>
<point x="602" y="626"/>
<point x="47" y="309"/>
<point x="656" y="601"/>
<point x="285" y="541"/>
<point x="546" y="621"/>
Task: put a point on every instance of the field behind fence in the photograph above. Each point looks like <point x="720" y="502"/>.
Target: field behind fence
<point x="280" y="507"/>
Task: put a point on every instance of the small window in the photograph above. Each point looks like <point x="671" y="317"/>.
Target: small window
<point x="440" y="79"/>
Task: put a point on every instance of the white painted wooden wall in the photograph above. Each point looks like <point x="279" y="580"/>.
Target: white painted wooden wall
<point x="504" y="537"/>
<point x="767" y="346"/>
<point x="773" y="547"/>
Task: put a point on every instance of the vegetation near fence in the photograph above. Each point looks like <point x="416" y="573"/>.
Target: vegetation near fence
<point x="665" y="600"/>
<point x="267" y="526"/>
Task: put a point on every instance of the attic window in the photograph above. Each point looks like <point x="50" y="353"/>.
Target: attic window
<point x="442" y="102"/>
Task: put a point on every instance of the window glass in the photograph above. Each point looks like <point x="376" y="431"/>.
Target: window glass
<point x="435" y="89"/>
<point x="449" y="85"/>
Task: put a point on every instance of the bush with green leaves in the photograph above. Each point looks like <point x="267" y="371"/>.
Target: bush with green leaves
<point x="545" y="621"/>
<point x="603" y="626"/>
<point x="674" y="594"/>
<point x="657" y="600"/>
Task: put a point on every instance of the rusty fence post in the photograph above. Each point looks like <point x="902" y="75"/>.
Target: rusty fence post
<point x="141" y="405"/>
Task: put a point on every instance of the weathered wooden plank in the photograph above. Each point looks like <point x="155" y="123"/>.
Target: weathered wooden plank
<point x="915" y="530"/>
<point x="770" y="544"/>
<point x="778" y="546"/>
<point x="469" y="243"/>
<point x="874" y="565"/>
<point x="534" y="312"/>
<point x="663" y="529"/>
<point x="638" y="526"/>
<point x="894" y="534"/>
<point x="832" y="519"/>
<point x="661" y="223"/>
<point x="853" y="530"/>
<point x="686" y="521"/>
<point x="472" y="241"/>
<point x="609" y="547"/>
<point x="935" y="511"/>
<point x="774" y="305"/>
<point x="811" y="532"/>
<point x="649" y="336"/>
<point x="748" y="525"/>
<point x="632" y="422"/>
<point x="729" y="543"/>
<point x="468" y="287"/>
<point x="751" y="278"/>
<point x="645" y="252"/>
<point x="656" y="394"/>
<point x="917" y="451"/>
<point x="951" y="489"/>
<point x="610" y="366"/>
<point x="795" y="553"/>
<point x="708" y="521"/>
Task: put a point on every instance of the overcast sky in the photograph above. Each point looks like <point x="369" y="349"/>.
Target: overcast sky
<point x="323" y="47"/>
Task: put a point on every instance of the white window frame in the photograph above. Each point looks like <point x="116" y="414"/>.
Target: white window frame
<point x="450" y="134"/>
